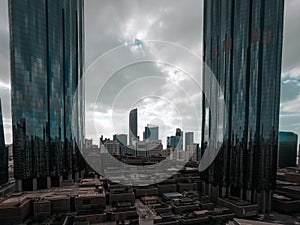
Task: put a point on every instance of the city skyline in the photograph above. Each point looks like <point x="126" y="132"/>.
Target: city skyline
<point x="151" y="133"/>
<point x="141" y="112"/>
<point x="290" y="77"/>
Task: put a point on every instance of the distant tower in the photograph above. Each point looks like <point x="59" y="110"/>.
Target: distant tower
<point x="176" y="141"/>
<point x="179" y="137"/>
<point x="189" y="139"/>
<point x="133" y="126"/>
<point x="121" y="138"/>
<point x="3" y="153"/>
<point x="151" y="132"/>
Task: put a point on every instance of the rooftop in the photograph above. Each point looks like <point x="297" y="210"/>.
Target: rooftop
<point x="19" y="198"/>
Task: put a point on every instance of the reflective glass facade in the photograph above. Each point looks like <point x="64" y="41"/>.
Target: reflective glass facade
<point x="3" y="153"/>
<point x="243" y="48"/>
<point x="151" y="132"/>
<point x="47" y="61"/>
<point x="176" y="141"/>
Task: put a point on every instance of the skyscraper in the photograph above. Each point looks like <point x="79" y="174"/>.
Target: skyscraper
<point x="287" y="151"/>
<point x="243" y="48"/>
<point x="179" y="137"/>
<point x="151" y="132"/>
<point x="133" y="126"/>
<point x="3" y="153"/>
<point x="47" y="62"/>
<point x="121" y="138"/>
<point x="189" y="139"/>
<point x="176" y="141"/>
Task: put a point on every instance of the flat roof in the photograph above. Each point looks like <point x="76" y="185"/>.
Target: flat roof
<point x="18" y="198"/>
<point x="172" y="194"/>
<point x="253" y="222"/>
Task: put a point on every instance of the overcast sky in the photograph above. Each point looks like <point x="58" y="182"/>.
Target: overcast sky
<point x="111" y="24"/>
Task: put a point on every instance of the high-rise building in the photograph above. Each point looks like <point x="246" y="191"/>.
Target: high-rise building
<point x="141" y="149"/>
<point x="47" y="63"/>
<point x="3" y="153"/>
<point x="151" y="132"/>
<point x="133" y="126"/>
<point x="196" y="151"/>
<point x="243" y="48"/>
<point x="88" y="144"/>
<point x="287" y="151"/>
<point x="172" y="142"/>
<point x="189" y="139"/>
<point x="124" y="148"/>
<point x="112" y="147"/>
<point x="121" y="138"/>
<point x="179" y="137"/>
<point x="176" y="141"/>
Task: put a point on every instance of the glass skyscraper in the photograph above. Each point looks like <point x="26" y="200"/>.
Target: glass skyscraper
<point x="3" y="153"/>
<point x="133" y="126"/>
<point x="243" y="48"/>
<point x="176" y="141"/>
<point x="151" y="132"/>
<point x="47" y="62"/>
<point x="121" y="138"/>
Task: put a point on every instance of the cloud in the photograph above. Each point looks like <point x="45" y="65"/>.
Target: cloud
<point x="160" y="92"/>
<point x="290" y="90"/>
<point x="292" y="106"/>
<point x="109" y="24"/>
<point x="291" y="44"/>
<point x="4" y="85"/>
<point x="293" y="73"/>
<point x="290" y="122"/>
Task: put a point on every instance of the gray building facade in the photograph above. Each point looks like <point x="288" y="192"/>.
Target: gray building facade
<point x="189" y="139"/>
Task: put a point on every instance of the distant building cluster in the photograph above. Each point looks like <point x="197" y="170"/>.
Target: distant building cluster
<point x="150" y="145"/>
